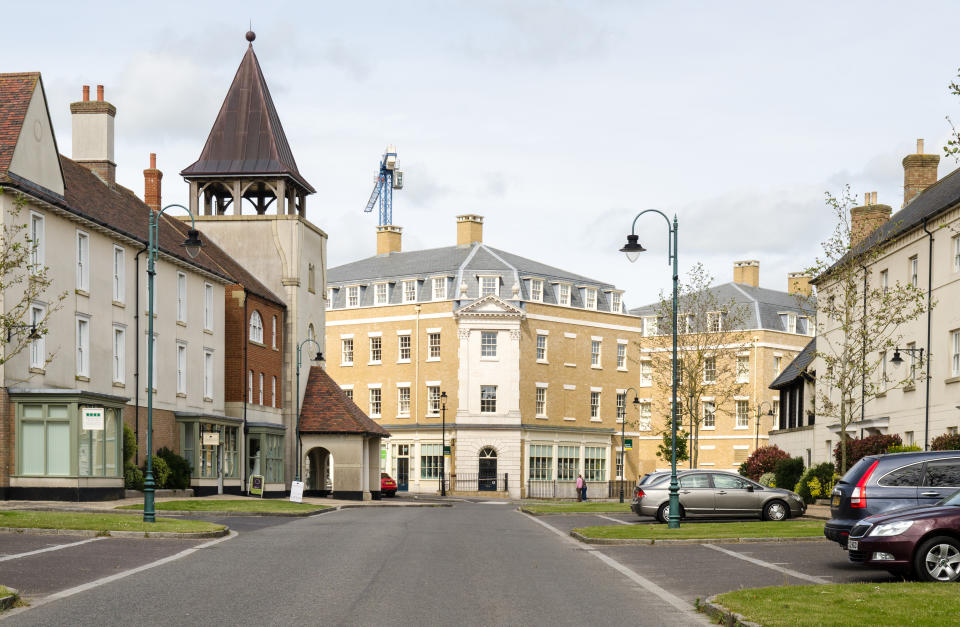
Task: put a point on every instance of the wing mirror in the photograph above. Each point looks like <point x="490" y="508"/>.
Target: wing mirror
<point x="750" y="488"/>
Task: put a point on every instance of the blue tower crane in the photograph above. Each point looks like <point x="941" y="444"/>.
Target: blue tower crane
<point x="388" y="179"/>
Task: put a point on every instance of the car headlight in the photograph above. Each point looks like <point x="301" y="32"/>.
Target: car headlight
<point x="891" y="529"/>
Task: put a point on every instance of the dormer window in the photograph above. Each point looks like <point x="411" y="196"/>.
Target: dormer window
<point x="590" y="298"/>
<point x="615" y="305"/>
<point x="489" y="285"/>
<point x="649" y="326"/>
<point x="789" y="322"/>
<point x="353" y="296"/>
<point x="536" y="290"/>
<point x="380" y="294"/>
<point x="563" y="294"/>
<point x="439" y="288"/>
<point x="713" y="321"/>
<point x="410" y="291"/>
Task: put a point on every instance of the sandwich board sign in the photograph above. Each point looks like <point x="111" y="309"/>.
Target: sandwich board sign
<point x="296" y="492"/>
<point x="92" y="418"/>
<point x="256" y="485"/>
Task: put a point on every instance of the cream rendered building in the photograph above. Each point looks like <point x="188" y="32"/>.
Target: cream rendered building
<point x="535" y="363"/>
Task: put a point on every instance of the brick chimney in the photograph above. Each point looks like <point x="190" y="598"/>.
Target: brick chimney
<point x="747" y="272"/>
<point x="469" y="229"/>
<point x="151" y="184"/>
<point x="799" y="283"/>
<point x="919" y="172"/>
<point x="388" y="239"/>
<point x="93" y="135"/>
<point x="865" y="219"/>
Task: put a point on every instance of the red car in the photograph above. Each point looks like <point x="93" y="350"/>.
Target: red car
<point x="919" y="541"/>
<point x="388" y="487"/>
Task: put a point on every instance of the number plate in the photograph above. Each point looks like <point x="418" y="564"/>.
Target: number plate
<point x="836" y="501"/>
<point x="853" y="545"/>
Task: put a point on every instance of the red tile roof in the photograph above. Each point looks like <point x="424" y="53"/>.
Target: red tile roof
<point x="16" y="90"/>
<point x="326" y="409"/>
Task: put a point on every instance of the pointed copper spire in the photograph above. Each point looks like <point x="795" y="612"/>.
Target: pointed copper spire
<point x="247" y="138"/>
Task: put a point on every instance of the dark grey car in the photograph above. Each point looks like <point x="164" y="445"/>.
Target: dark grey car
<point x="716" y="494"/>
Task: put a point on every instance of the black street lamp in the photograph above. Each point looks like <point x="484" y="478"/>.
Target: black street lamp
<point x="317" y="358"/>
<point x="633" y="250"/>
<point x="760" y="405"/>
<point x="896" y="360"/>
<point x="192" y="245"/>
<point x="33" y="335"/>
<point x="443" y="442"/>
<point x="623" y="433"/>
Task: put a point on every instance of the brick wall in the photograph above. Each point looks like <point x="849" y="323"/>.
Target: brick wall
<point x="165" y="430"/>
<point x="261" y="357"/>
<point x="7" y="420"/>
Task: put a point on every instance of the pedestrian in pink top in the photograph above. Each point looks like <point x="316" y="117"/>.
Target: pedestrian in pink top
<point x="581" y="488"/>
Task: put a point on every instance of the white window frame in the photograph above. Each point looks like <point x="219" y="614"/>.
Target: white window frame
<point x="433" y="347"/>
<point x="536" y="290"/>
<point x="590" y="298"/>
<point x="542" y="350"/>
<point x="709" y="411"/>
<point x="346" y="350"/>
<point x="273" y="333"/>
<point x="119" y="353"/>
<point x="484" y="286"/>
<point x="616" y="302"/>
<point x="596" y="348"/>
<point x="649" y="326"/>
<point x="181" y="297"/>
<point x="181" y="368"/>
<point x="83" y="261"/>
<point x="353" y="296"/>
<point x="403" y="400"/>
<point x="621" y="356"/>
<point x="646" y="373"/>
<point x="956" y="252"/>
<point x="375" y="398"/>
<point x="250" y="386"/>
<point x="119" y="279"/>
<point x="743" y="417"/>
<point x="914" y="270"/>
<point x="381" y="293"/>
<point x="955" y="353"/>
<point x="485" y="389"/>
<point x="563" y="294"/>
<point x="594" y="404"/>
<point x="82" y="327"/>
<point x="709" y="374"/>
<point x="208" y="307"/>
<point x="645" y="421"/>
<point x="273" y="391"/>
<point x="378" y="341"/>
<point x="488" y="350"/>
<point x="256" y="327"/>
<point x="407" y="286"/>
<point x="37" y="234"/>
<point x="433" y="399"/>
<point x="404" y="347"/>
<point x="743" y="369"/>
<point x="38" y="352"/>
<point x="208" y="374"/>
<point x="621" y="405"/>
<point x="260" y="389"/>
<point x="438" y="287"/>
<point x="540" y="402"/>
<point x="714" y="321"/>
<point x="884" y="280"/>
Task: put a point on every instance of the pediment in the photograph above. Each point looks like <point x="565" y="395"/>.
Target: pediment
<point x="35" y="157"/>
<point x="490" y="306"/>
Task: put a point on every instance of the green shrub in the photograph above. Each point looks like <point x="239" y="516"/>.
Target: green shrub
<point x="903" y="448"/>
<point x="768" y="479"/>
<point x="129" y="445"/>
<point x="161" y="472"/>
<point x="946" y="442"/>
<point x="816" y="482"/>
<point x="132" y="477"/>
<point x="179" y="469"/>
<point x="788" y="471"/>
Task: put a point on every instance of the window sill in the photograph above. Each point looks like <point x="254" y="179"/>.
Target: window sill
<point x="207" y="331"/>
<point x="376" y="416"/>
<point x="119" y="304"/>
<point x="80" y="292"/>
<point x="570" y="365"/>
<point x="154" y="390"/>
<point x="346" y="364"/>
<point x="648" y="385"/>
<point x="569" y="419"/>
<point x="403" y="361"/>
<point x="488" y="358"/>
<point x="621" y="369"/>
<point x="952" y="380"/>
<point x="35" y="370"/>
<point x="881" y="394"/>
<point x="181" y="323"/>
<point x="542" y="361"/>
<point x="596" y="420"/>
<point x="80" y="377"/>
<point x="181" y="395"/>
<point x="741" y="382"/>
<point x="741" y="428"/>
<point x="276" y="348"/>
<point x="708" y="428"/>
<point x="207" y="399"/>
<point x="374" y="363"/>
<point x="541" y="417"/>
<point x="119" y="384"/>
<point x="256" y="343"/>
<point x="401" y="416"/>
<point x="429" y="359"/>
<point x="596" y="367"/>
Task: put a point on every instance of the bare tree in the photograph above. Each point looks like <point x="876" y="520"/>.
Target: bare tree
<point x="711" y="333"/>
<point x="859" y="319"/>
<point x="23" y="281"/>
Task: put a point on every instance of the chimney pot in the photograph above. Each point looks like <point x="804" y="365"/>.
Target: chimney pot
<point x="873" y="198"/>
<point x="86" y="93"/>
<point x="747" y="272"/>
<point x="152" y="178"/>
<point x="153" y="161"/>
<point x="99" y="93"/>
<point x="919" y="146"/>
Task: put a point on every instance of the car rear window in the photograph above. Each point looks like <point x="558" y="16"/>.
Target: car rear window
<point x="853" y="475"/>
<point x="902" y="477"/>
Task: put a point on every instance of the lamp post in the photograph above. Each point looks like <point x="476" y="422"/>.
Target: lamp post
<point x="690" y="399"/>
<point x="633" y="250"/>
<point x="623" y="433"/>
<point x="896" y="360"/>
<point x="318" y="358"/>
<point x="756" y="442"/>
<point x="192" y="245"/>
<point x="443" y="442"/>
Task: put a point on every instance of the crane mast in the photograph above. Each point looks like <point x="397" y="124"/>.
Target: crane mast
<point x="388" y="179"/>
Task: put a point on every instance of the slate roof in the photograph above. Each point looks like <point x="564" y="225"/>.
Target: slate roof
<point x="796" y="367"/>
<point x="762" y="306"/>
<point x="458" y="264"/>
<point x="247" y="137"/>
<point x="326" y="409"/>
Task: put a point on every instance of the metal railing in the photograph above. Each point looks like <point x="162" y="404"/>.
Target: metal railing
<point x="474" y="482"/>
<point x="567" y="489"/>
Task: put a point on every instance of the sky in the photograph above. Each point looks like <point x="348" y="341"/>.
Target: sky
<point x="556" y="121"/>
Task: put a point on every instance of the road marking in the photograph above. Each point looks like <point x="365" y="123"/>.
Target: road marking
<point x="641" y="581"/>
<point x="770" y="565"/>
<point x="616" y="520"/>
<point x="49" y="548"/>
<point x="56" y="596"/>
<point x="493" y="503"/>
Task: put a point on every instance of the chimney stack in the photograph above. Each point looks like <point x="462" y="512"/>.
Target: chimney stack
<point x="919" y="172"/>
<point x="867" y="218"/>
<point x="388" y="239"/>
<point x="93" y="135"/>
<point x="151" y="184"/>
<point x="799" y="283"/>
<point x="747" y="272"/>
<point x="469" y="230"/>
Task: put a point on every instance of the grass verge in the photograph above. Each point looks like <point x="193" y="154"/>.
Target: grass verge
<point x="783" y="529"/>
<point x="847" y="604"/>
<point x="258" y="506"/>
<point x="100" y="522"/>
<point x="5" y="592"/>
<point x="589" y="508"/>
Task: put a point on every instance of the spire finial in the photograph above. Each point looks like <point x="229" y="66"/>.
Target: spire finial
<point x="250" y="34"/>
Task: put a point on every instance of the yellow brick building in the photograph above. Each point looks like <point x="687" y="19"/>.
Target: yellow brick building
<point x="535" y="364"/>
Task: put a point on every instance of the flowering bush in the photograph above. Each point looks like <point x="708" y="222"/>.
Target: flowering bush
<point x="816" y="482"/>
<point x="762" y="460"/>
<point x="861" y="447"/>
<point x="767" y="479"/>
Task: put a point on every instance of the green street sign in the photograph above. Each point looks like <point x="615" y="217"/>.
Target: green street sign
<point x="628" y="444"/>
<point x="446" y="450"/>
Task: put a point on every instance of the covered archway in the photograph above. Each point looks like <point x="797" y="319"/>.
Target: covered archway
<point x="318" y="467"/>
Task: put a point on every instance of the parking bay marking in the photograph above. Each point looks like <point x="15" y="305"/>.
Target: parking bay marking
<point x="55" y="547"/>
<point x="616" y="520"/>
<point x="787" y="571"/>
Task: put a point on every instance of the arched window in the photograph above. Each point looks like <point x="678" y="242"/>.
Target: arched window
<point x="256" y="327"/>
<point x="310" y="333"/>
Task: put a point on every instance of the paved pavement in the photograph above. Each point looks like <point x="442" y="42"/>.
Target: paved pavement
<point x="470" y="564"/>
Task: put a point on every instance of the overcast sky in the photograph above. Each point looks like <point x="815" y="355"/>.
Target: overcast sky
<point x="556" y="121"/>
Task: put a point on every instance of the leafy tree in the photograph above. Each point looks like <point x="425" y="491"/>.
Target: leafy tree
<point x="23" y="281"/>
<point x="859" y="322"/>
<point x="710" y="336"/>
<point x="664" y="449"/>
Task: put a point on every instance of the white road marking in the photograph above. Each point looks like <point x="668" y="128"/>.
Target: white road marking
<point x="56" y="596"/>
<point x="56" y="547"/>
<point x="770" y="565"/>
<point x="616" y="520"/>
<point x="493" y="503"/>
<point x="641" y="581"/>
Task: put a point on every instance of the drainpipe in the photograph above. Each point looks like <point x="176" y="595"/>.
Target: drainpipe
<point x="245" y="391"/>
<point x="863" y="363"/>
<point x="136" y="344"/>
<point x="926" y="400"/>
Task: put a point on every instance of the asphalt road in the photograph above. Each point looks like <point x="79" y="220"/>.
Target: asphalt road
<point x="471" y="564"/>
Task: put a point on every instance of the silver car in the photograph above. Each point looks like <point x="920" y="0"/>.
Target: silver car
<point x="715" y="494"/>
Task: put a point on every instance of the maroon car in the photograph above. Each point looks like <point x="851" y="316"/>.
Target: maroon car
<point x="923" y="541"/>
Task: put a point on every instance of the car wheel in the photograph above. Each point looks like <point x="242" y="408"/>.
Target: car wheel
<point x="663" y="514"/>
<point x="938" y="559"/>
<point x="776" y="511"/>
